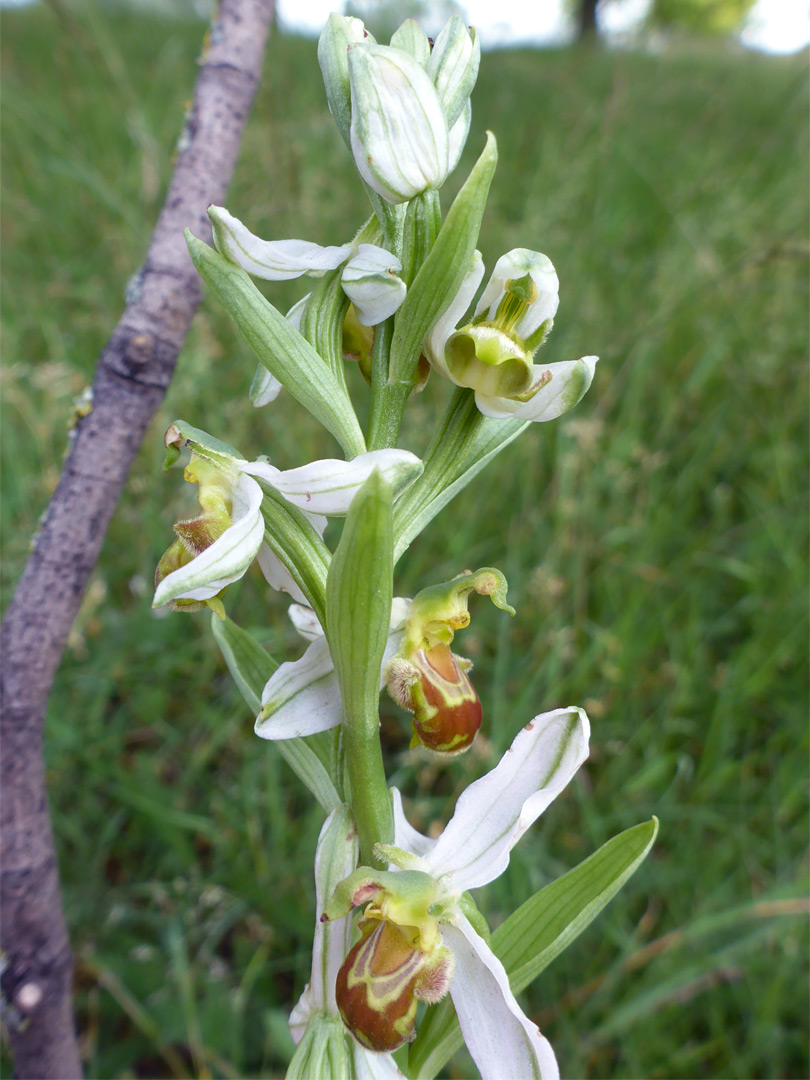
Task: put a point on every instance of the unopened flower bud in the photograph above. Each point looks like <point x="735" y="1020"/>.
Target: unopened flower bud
<point x="340" y="32"/>
<point x="399" y="134"/>
<point x="453" y="66"/>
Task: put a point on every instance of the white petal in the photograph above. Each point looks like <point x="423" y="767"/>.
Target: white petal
<point x="502" y="1040"/>
<point x="400" y="612"/>
<point x="406" y="836"/>
<point x="328" y="486"/>
<point x="273" y="260"/>
<point x="371" y="259"/>
<point x="568" y="384"/>
<point x="266" y="387"/>
<point x="227" y="559"/>
<point x="437" y="339"/>
<point x="302" y="696"/>
<point x="493" y="813"/>
<point x="458" y="135"/>
<point x="412" y="39"/>
<point x="370" y="281"/>
<point x="516" y="264"/>
<point x="305" y="621"/>
<point x="277" y="575"/>
<point x="335" y="858"/>
<point x="371" y="1066"/>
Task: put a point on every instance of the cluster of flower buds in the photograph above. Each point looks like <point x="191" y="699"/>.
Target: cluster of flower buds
<point x="403" y="108"/>
<point x="427" y="678"/>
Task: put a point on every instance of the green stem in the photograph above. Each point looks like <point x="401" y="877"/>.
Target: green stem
<point x="358" y="609"/>
<point x="389" y="398"/>
<point x="387" y="407"/>
<point x="379" y="424"/>
<point x="364" y="783"/>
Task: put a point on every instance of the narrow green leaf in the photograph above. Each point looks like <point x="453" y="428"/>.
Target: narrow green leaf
<point x="251" y="667"/>
<point x="359" y="591"/>
<point x="322" y="322"/>
<point x="293" y="539"/>
<point x="442" y="272"/>
<point x="279" y="346"/>
<point x="464" y="444"/>
<point x="537" y="933"/>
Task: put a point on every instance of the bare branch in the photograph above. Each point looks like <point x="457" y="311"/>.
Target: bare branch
<point x="131" y="379"/>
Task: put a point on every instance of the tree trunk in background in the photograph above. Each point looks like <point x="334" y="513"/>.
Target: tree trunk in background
<point x="586" y="20"/>
<point x="131" y="379"/>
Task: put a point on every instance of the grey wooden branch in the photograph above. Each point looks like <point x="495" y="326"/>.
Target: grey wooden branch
<point x="132" y="376"/>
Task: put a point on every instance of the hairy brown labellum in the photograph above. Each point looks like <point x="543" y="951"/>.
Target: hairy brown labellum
<point x="380" y="982"/>
<point x="434" y="685"/>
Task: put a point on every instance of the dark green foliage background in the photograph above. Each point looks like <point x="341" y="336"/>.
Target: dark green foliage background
<point x="654" y="540"/>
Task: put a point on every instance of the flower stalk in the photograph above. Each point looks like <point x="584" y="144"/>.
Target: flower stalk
<point x="396" y="923"/>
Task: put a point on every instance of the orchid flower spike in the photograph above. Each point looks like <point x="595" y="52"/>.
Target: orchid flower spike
<point x="403" y="108"/>
<point x="302" y="696"/>
<point x="417" y="939"/>
<point x="429" y="680"/>
<point x="369" y="277"/>
<point x="493" y="353"/>
<point x="215" y="549"/>
<point x="315" y="1021"/>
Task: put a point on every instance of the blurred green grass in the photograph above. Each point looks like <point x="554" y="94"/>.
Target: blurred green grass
<point x="654" y="540"/>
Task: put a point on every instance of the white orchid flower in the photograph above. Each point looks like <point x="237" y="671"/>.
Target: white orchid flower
<point x="421" y="672"/>
<point x="302" y="696"/>
<point x="418" y="942"/>
<point x="315" y="1018"/>
<point x="493" y="353"/>
<point x="216" y="548"/>
<point x="369" y="275"/>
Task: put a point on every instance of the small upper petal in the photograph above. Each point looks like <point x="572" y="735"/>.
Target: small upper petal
<point x="493" y="813"/>
<point x="502" y="1040"/>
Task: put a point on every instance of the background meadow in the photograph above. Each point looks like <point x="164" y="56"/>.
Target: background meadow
<point x="654" y="541"/>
